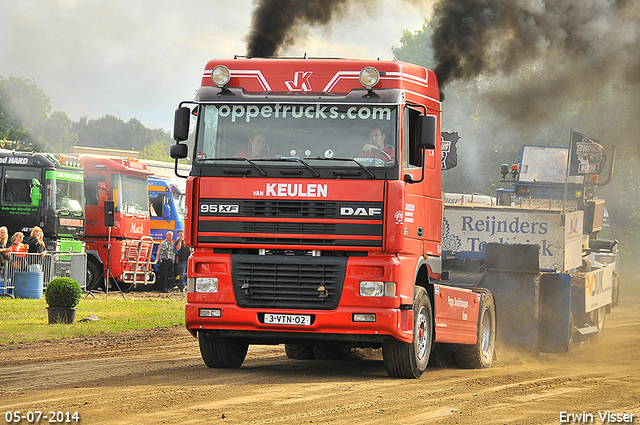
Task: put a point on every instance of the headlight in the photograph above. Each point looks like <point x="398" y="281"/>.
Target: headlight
<point x="370" y="288"/>
<point x="369" y="77"/>
<point x="221" y="75"/>
<point x="206" y="284"/>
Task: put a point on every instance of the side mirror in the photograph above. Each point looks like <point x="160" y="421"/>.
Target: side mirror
<point x="428" y="126"/>
<point x="178" y="151"/>
<point x="102" y="194"/>
<point x="166" y="212"/>
<point x="181" y="120"/>
<point x="35" y="195"/>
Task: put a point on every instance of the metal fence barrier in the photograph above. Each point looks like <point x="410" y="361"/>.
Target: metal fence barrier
<point x="52" y="265"/>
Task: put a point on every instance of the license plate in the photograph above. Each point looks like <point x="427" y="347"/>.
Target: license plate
<point x="287" y="319"/>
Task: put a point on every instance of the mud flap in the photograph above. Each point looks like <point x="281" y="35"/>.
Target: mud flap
<point x="512" y="275"/>
<point x="555" y="312"/>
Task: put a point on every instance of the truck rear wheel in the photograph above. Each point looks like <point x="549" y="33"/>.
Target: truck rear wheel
<point x="299" y="352"/>
<point x="481" y="354"/>
<point x="331" y="352"/>
<point x="410" y="360"/>
<point x="615" y="298"/>
<point x="222" y="353"/>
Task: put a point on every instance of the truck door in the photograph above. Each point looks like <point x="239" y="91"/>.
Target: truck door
<point x="423" y="198"/>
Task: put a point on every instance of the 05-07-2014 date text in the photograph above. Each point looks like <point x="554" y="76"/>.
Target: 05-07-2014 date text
<point x="37" y="416"/>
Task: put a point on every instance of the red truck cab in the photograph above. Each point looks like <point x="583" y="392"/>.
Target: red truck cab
<point x="315" y="213"/>
<point x="118" y="224"/>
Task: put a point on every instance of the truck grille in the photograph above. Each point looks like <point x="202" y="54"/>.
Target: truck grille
<point x="288" y="222"/>
<point x="301" y="209"/>
<point x="288" y="282"/>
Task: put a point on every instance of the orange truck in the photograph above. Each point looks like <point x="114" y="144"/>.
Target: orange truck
<point x="314" y="209"/>
<point x="117" y="229"/>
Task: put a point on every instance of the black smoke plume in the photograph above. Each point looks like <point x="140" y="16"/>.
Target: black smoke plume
<point x="550" y="47"/>
<point x="276" y="23"/>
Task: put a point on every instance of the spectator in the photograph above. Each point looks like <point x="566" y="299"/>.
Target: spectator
<point x="36" y="246"/>
<point x="4" y="239"/>
<point x="183" y="253"/>
<point x="166" y="258"/>
<point x="18" y="250"/>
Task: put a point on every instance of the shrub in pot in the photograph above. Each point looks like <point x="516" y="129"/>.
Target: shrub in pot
<point x="62" y="295"/>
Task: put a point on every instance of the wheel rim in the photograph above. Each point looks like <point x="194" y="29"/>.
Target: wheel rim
<point x="423" y="334"/>
<point x="486" y="330"/>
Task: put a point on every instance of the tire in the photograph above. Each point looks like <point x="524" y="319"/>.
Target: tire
<point x="441" y="355"/>
<point x="331" y="352"/>
<point x="299" y="352"/>
<point x="125" y="287"/>
<point x="481" y="354"/>
<point x="95" y="272"/>
<point x="222" y="353"/>
<point x="410" y="360"/>
<point x="615" y="297"/>
<point x="598" y="316"/>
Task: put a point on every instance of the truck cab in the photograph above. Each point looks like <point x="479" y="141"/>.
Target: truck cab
<point x="165" y="198"/>
<point x="45" y="190"/>
<point x="118" y="223"/>
<point x="314" y="208"/>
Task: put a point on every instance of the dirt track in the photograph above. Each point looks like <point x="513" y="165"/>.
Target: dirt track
<point x="153" y="377"/>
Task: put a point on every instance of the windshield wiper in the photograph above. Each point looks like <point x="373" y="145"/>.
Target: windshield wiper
<point x="253" y="164"/>
<point x="350" y="160"/>
<point x="294" y="159"/>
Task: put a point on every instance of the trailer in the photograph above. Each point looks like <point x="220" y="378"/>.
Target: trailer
<point x="539" y="249"/>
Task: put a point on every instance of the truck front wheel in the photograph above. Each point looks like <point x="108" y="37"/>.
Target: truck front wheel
<point x="410" y="360"/>
<point x="481" y="354"/>
<point x="222" y="353"/>
<point x="94" y="275"/>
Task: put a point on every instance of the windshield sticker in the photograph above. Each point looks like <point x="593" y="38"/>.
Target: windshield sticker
<point x="247" y="112"/>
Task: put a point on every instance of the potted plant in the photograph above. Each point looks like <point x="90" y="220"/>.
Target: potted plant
<point x="62" y="295"/>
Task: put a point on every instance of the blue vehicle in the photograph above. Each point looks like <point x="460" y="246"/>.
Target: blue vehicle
<point x="165" y="199"/>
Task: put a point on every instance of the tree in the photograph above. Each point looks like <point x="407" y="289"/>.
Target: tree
<point x="113" y="132"/>
<point x="26" y="121"/>
<point x="157" y="152"/>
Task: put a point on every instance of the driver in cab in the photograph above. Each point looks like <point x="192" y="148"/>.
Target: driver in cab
<point x="377" y="148"/>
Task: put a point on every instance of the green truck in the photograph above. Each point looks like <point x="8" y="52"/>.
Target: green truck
<point x="45" y="190"/>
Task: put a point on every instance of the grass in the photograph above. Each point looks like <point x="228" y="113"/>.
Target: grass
<point x="27" y="320"/>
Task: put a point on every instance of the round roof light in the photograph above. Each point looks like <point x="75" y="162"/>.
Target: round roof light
<point x="221" y="75"/>
<point x="369" y="77"/>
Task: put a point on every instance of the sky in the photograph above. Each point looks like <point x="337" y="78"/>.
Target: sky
<point x="140" y="58"/>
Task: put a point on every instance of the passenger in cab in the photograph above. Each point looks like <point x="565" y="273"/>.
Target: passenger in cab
<point x="255" y="148"/>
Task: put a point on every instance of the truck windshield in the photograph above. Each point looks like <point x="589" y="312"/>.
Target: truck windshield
<point x="130" y="194"/>
<point x="545" y="164"/>
<point x="65" y="191"/>
<point x="307" y="131"/>
<point x="67" y="195"/>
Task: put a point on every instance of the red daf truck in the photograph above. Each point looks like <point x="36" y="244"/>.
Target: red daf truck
<point x="315" y="213"/>
<point x="117" y="223"/>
